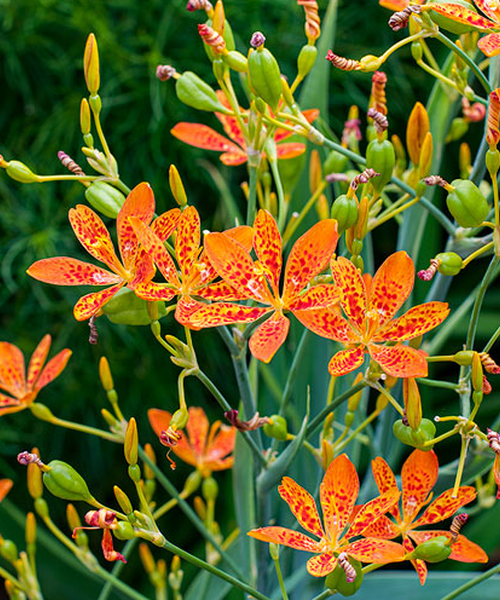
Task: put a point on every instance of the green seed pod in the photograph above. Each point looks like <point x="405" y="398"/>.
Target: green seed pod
<point x="8" y="550"/>
<point x="278" y="429"/>
<point x="209" y="488"/>
<point x="236" y="61"/>
<point x="337" y="580"/>
<point x="450" y="263"/>
<point x="380" y="155"/>
<point x="42" y="412"/>
<point x="349" y="418"/>
<point x="305" y="61"/>
<point x="125" y="308"/>
<point x="433" y="551"/>
<point x="194" y="92"/>
<point x="63" y="481"/>
<point x="335" y="163"/>
<point x="466" y="203"/>
<point x="448" y="24"/>
<point x="105" y="198"/>
<point x="464" y="358"/>
<point x="345" y="212"/>
<point x="20" y="172"/>
<point x="264" y="76"/>
<point x="124" y="531"/>
<point x="415" y="437"/>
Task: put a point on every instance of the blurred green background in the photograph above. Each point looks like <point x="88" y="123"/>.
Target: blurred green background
<point x="41" y="78"/>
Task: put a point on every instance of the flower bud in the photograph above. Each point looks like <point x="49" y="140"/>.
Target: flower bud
<point x="492" y="161"/>
<point x="413" y="404"/>
<point x="123" y="500"/>
<point x="72" y="517"/>
<point x="35" y="485"/>
<point x="30" y="529"/>
<point x="19" y="171"/>
<point x="130" y="446"/>
<point x="85" y="122"/>
<point x="418" y="127"/>
<point x="105" y="198"/>
<point x="63" y="481"/>
<point x="176" y="186"/>
<point x="91" y="65"/>
<point x="476" y="372"/>
<point x="134" y="472"/>
<point x="306" y="59"/>
<point x="41" y="507"/>
<point x="236" y="61"/>
<point x="8" y="550"/>
<point x="147" y="559"/>
<point x="277" y="429"/>
<point x="179" y="419"/>
<point x="124" y="530"/>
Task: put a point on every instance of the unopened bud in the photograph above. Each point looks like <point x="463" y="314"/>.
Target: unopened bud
<point x="176" y="186"/>
<point x="147" y="559"/>
<point x="34" y="474"/>
<point x="130" y="446"/>
<point x="105" y="374"/>
<point x="91" y="65"/>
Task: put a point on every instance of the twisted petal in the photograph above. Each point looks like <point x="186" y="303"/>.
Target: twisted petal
<point x="418" y="476"/>
<point x="159" y="421"/>
<point x="5" y="485"/>
<point x="490" y="44"/>
<point x="399" y="361"/>
<point x="328" y="323"/>
<point x="90" y="304"/>
<point x="371" y="511"/>
<point x="12" y="369"/>
<point x="302" y="505"/>
<point x="268" y="338"/>
<point x="346" y="361"/>
<point x="187" y="243"/>
<point x="374" y="550"/>
<point x="225" y="313"/>
<point x="164" y="225"/>
<point x="267" y="244"/>
<point x="392" y="285"/>
<point x="140" y="204"/>
<point x="462" y="550"/>
<point x="385" y="480"/>
<point x="308" y="257"/>
<point x="37" y="360"/>
<point x="338" y="492"/>
<point x="290" y="150"/>
<point x="460" y="14"/>
<point x="444" y="506"/>
<point x="414" y="323"/>
<point x="285" y="537"/>
<point x="201" y="136"/>
<point x="322" y="296"/>
<point x="349" y="280"/>
<point x="63" y="270"/>
<point x="418" y="564"/>
<point x="321" y="565"/>
<point x="53" y="368"/>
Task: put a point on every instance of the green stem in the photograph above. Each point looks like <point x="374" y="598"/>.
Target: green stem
<point x="473" y="582"/>
<point x="117" y="569"/>
<point x="389" y="397"/>
<point x="122" y="186"/>
<point x="471" y="333"/>
<point x="280" y="578"/>
<point x="281" y="194"/>
<point x="440" y="438"/>
<point x="492" y="340"/>
<point x="252" y="195"/>
<point x="105" y="435"/>
<point x="338" y="447"/>
<point x="439" y="384"/>
<point x="8" y="576"/>
<point x="461" y="464"/>
<point x="119" y="584"/>
<point x="326" y="594"/>
<point x="306" y="208"/>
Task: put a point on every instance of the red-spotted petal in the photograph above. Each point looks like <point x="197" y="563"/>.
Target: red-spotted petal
<point x="234" y="264"/>
<point x="385" y="480"/>
<point x="460" y="14"/>
<point x="187" y="244"/>
<point x="12" y="369"/>
<point x="392" y="285"/>
<point x="267" y="244"/>
<point x="290" y="150"/>
<point x="53" y="368"/>
<point x="186" y="307"/>
<point x="414" y="323"/>
<point x="201" y="136"/>
<point x="320" y="296"/>
<point x="308" y="257"/>
<point x="230" y="124"/>
<point x="462" y="550"/>
<point x="302" y="505"/>
<point x="328" y="323"/>
<point x="395" y="5"/>
<point x="225" y="313"/>
<point x="140" y="204"/>
<point x="159" y="421"/>
<point x="399" y="361"/>
<point x="445" y="506"/>
<point x="285" y="537"/>
<point x="371" y="511"/>
<point x="37" y="360"/>
<point x="375" y="550"/>
<point x="164" y="225"/>
<point x="197" y="430"/>
<point x="354" y="300"/>
<point x="321" y="565"/>
<point x="5" y="486"/>
<point x="63" y="270"/>
<point x="222" y="444"/>
<point x="8" y="401"/>
<point x="90" y="304"/>
<point x="233" y="158"/>
<point x="338" y="492"/>
<point x="153" y="291"/>
<point x="154" y="246"/>
<point x="93" y="235"/>
<point x="346" y="361"/>
<point x="268" y="338"/>
<point x="220" y="290"/>
<point x="419" y="565"/>
<point x="492" y="9"/>
<point x="143" y="269"/>
<point x="418" y="476"/>
<point x="383" y="528"/>
<point x="243" y="234"/>
<point x="490" y="44"/>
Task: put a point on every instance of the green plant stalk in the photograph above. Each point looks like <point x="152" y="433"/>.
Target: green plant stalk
<point x="9" y="577"/>
<point x="354" y="434"/>
<point x="282" y="207"/>
<point x="279" y="574"/>
<point x="106" y="435"/>
<point x="306" y="208"/>
<point x="326" y="594"/>
<point x="439" y="76"/>
<point x="492" y="340"/>
<point x="252" y="194"/>
<point x="440" y="438"/>
<point x="389" y="397"/>
<point x="447" y="385"/>
<point x="472" y="583"/>
<point x="461" y="463"/>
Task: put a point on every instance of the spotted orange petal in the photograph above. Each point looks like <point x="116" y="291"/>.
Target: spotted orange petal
<point x="377" y="551"/>
<point x="383" y="528"/>
<point x="385" y="480"/>
<point x="392" y="285"/>
<point x="354" y="301"/>
<point x="399" y="361"/>
<point x="5" y="486"/>
<point x="302" y="505"/>
<point x="321" y="565"/>
<point x="153" y="291"/>
<point x="492" y="9"/>
<point x="143" y="269"/>
<point x="490" y="44"/>
<point x="154" y="246"/>
<point x="201" y="136"/>
<point x="7" y="401"/>
<point x="462" y="550"/>
<point x="220" y="290"/>
<point x="187" y="243"/>
<point x="444" y="506"/>
<point x="419" y="565"/>
<point x="230" y="124"/>
<point x="197" y="430"/>
<point x="93" y="235"/>
<point x="63" y="270"/>
<point x="37" y="360"/>
<point x="268" y="338"/>
<point x="159" y="421"/>
<point x="222" y="444"/>
<point x="140" y="204"/>
<point x="414" y="323"/>
<point x="285" y="537"/>
<point x="346" y="361"/>
<point x="90" y="304"/>
<point x="371" y="511"/>
<point x="234" y="264"/>
<point x="12" y="369"/>
<point x="395" y="5"/>
<point x="267" y="244"/>
<point x="164" y="225"/>
<point x="234" y="158"/>
<point x="418" y="476"/>
<point x="321" y="296"/>
<point x="53" y="368"/>
<point x="460" y="14"/>
<point x="16" y="406"/>
<point x="243" y="234"/>
<point x="328" y="323"/>
<point x="287" y="150"/>
<point x="225" y="313"/>
<point x="308" y="257"/>
<point x="338" y="492"/>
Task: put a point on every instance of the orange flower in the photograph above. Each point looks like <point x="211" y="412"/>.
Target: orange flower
<point x="5" y="485"/>
<point x="259" y="280"/>
<point x="235" y="151"/>
<point x="370" y="307"/>
<point x="136" y="265"/>
<point x="338" y="492"/>
<point x="196" y="273"/>
<point x="206" y="448"/>
<point x="418" y="476"/>
<point x="24" y="389"/>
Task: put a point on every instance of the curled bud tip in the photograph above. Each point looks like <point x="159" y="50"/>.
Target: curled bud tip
<point x="345" y="64"/>
<point x="379" y="119"/>
<point x="257" y="39"/>
<point x="428" y="274"/>
<point x="165" y="72"/>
